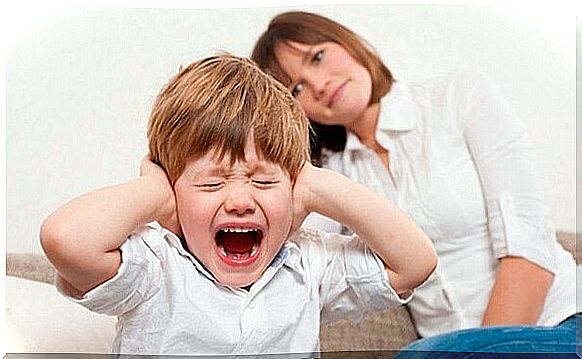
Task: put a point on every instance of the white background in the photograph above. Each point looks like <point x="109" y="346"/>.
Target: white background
<point x="80" y="84"/>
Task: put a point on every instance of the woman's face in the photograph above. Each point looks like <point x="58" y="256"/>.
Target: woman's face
<point x="331" y="86"/>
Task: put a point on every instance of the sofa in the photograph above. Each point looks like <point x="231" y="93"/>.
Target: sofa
<point x="40" y="320"/>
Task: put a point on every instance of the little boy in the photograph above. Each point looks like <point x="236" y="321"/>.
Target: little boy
<point x="229" y="173"/>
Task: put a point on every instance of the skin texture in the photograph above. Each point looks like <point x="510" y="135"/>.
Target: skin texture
<point x="316" y="72"/>
<point x="82" y="238"/>
<point x="519" y="293"/>
<point x="332" y="87"/>
<point x="212" y="194"/>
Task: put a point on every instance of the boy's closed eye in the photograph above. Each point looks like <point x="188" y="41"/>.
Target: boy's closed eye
<point x="260" y="183"/>
<point x="264" y="183"/>
<point x="210" y="186"/>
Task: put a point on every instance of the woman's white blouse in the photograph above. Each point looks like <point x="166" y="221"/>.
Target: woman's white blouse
<point x="463" y="168"/>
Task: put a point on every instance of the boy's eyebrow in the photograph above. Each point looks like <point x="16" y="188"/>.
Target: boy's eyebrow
<point x="261" y="167"/>
<point x="264" y="168"/>
<point x="211" y="171"/>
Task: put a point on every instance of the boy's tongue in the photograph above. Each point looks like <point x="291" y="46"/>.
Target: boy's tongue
<point x="238" y="243"/>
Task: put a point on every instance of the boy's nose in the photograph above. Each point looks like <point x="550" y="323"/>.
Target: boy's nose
<point x="239" y="200"/>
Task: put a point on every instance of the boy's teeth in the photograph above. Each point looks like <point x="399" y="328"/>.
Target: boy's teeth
<point x="222" y="251"/>
<point x="239" y="230"/>
<point x="239" y="256"/>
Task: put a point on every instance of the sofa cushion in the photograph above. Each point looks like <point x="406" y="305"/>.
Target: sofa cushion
<point x="388" y="330"/>
<point x="40" y="320"/>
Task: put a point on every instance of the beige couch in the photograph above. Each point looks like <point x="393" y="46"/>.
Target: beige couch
<point x="40" y="320"/>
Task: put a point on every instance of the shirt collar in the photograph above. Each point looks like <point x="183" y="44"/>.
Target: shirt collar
<point x="180" y="246"/>
<point x="398" y="113"/>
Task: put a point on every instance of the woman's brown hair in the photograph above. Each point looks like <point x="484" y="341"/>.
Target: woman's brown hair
<point x="310" y="29"/>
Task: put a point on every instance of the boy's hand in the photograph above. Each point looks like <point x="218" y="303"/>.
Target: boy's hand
<point x="405" y="249"/>
<point x="303" y="195"/>
<point x="168" y="217"/>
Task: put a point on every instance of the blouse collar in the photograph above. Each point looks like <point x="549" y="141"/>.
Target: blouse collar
<point x="398" y="113"/>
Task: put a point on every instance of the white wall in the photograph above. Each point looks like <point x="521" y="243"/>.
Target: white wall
<point x="80" y="85"/>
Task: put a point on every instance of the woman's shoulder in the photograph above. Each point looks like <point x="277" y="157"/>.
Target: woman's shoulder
<point x="451" y="88"/>
<point x="463" y="79"/>
<point x="333" y="160"/>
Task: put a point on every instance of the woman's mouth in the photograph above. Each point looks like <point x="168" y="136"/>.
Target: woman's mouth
<point x="238" y="246"/>
<point x="335" y="96"/>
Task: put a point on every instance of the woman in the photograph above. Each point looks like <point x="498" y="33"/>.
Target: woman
<point x="454" y="156"/>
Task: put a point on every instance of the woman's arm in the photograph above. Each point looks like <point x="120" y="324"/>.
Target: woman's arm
<point x="519" y="293"/>
<point x="404" y="248"/>
<point x="81" y="239"/>
<point x="519" y="226"/>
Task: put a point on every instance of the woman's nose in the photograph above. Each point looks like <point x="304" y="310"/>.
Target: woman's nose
<point x="239" y="199"/>
<point x="319" y="84"/>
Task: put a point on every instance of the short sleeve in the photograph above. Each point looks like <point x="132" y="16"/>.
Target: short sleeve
<point x="138" y="277"/>
<point x="518" y="217"/>
<point x="318" y="221"/>
<point x="434" y="307"/>
<point x="354" y="282"/>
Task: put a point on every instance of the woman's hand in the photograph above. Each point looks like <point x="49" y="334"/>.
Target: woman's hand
<point x="167" y="215"/>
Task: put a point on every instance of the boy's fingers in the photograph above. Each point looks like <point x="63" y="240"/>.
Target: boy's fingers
<point x="143" y="165"/>
<point x="147" y="167"/>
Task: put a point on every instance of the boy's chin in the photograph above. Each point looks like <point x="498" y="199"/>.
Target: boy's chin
<point x="238" y="280"/>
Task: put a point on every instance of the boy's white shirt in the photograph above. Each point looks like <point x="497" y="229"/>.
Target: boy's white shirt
<point x="168" y="303"/>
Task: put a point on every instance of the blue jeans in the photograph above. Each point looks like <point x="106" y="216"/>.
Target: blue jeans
<point x="526" y="341"/>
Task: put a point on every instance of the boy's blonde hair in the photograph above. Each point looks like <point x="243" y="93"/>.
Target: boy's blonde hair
<point x="215" y="104"/>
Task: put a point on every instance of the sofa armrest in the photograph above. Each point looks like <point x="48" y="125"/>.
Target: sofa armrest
<point x="568" y="241"/>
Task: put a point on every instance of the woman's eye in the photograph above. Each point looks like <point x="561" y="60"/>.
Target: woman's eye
<point x="318" y="56"/>
<point x="296" y="90"/>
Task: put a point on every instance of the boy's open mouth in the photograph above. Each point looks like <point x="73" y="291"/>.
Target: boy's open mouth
<point x="237" y="245"/>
